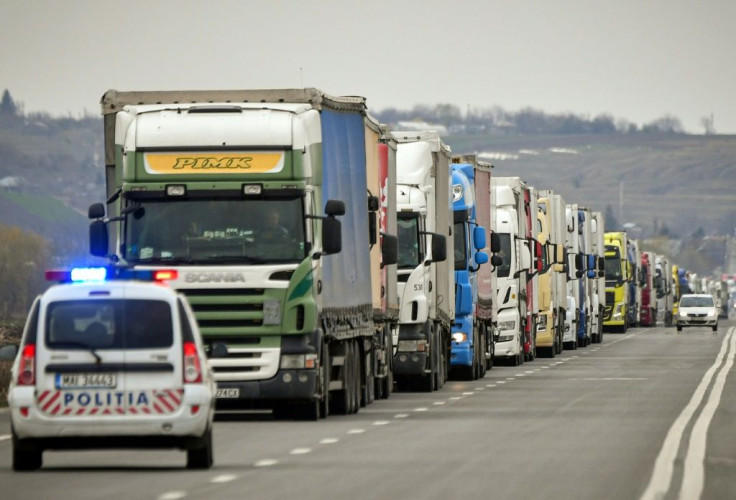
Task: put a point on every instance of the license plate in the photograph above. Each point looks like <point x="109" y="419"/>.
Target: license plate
<point x="86" y="380"/>
<point x="227" y="393"/>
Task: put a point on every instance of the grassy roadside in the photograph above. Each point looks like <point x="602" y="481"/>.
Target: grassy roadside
<point x="10" y="332"/>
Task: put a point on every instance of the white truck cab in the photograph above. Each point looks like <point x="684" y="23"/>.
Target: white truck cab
<point x="110" y="363"/>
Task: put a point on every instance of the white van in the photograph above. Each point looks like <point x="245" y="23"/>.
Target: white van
<point x="111" y="364"/>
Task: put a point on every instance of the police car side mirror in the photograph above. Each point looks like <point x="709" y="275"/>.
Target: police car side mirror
<point x="8" y="353"/>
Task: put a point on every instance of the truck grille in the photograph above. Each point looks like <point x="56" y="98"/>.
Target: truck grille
<point x="226" y="311"/>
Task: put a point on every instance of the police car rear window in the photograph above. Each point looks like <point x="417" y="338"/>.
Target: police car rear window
<point x="109" y="324"/>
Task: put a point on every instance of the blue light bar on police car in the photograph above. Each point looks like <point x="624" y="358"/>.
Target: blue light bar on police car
<point x="102" y="274"/>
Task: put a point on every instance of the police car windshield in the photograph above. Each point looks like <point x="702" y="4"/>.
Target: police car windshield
<point x="207" y="231"/>
<point x="109" y="324"/>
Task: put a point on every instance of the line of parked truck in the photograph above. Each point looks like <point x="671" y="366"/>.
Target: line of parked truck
<point x="328" y="259"/>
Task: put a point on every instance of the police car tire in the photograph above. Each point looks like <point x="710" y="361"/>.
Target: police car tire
<point x="201" y="457"/>
<point x="26" y="457"/>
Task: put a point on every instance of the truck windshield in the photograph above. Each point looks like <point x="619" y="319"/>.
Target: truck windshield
<point x="613" y="264"/>
<point x="216" y="231"/>
<point x="461" y="247"/>
<point x="409" y="247"/>
<point x="505" y="253"/>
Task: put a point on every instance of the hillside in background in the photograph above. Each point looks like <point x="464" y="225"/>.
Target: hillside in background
<point x="667" y="185"/>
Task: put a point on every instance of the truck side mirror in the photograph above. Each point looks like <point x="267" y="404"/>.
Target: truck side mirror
<point x="96" y="211"/>
<point x="331" y="235"/>
<point x="495" y="243"/>
<point x="579" y="262"/>
<point x="479" y="237"/>
<point x="98" y="239"/>
<point x="525" y="257"/>
<point x="372" y="220"/>
<point x="389" y="249"/>
<point x="481" y="258"/>
<point x="335" y="207"/>
<point x="496" y="260"/>
<point x="439" y="248"/>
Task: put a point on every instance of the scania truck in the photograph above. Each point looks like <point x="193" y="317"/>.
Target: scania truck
<point x="426" y="286"/>
<point x="469" y="336"/>
<point x="246" y="195"/>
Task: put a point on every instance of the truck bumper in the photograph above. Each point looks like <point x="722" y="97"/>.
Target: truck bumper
<point x="461" y="354"/>
<point x="410" y="363"/>
<point x="287" y="385"/>
<point x="545" y="331"/>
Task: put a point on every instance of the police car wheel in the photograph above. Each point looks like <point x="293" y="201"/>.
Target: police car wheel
<point x="26" y="457"/>
<point x="201" y="457"/>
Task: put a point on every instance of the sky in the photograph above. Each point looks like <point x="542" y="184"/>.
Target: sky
<point x="635" y="60"/>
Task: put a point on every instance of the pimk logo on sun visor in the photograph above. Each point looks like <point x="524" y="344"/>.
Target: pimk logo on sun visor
<point x="214" y="163"/>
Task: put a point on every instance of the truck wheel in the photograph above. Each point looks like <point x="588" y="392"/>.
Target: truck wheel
<point x="342" y="402"/>
<point x="679" y="328"/>
<point x="201" y="456"/>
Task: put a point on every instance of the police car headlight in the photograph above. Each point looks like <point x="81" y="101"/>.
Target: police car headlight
<point x="271" y="312"/>
<point x="711" y="314"/>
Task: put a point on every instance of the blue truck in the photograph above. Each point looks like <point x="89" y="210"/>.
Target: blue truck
<point x="469" y="339"/>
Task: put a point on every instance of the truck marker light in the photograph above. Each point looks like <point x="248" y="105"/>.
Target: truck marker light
<point x="176" y="190"/>
<point x="252" y="189"/>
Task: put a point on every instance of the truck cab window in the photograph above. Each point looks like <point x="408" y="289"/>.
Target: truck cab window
<point x="409" y="247"/>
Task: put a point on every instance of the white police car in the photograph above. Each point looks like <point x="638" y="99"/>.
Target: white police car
<point x="110" y="363"/>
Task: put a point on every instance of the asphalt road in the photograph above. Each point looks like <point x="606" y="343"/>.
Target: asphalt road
<point x="644" y="415"/>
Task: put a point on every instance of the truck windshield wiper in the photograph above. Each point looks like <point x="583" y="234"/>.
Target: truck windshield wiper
<point x="231" y="259"/>
<point x="84" y="346"/>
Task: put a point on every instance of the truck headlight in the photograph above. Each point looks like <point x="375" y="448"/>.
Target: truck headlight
<point x="298" y="361"/>
<point x="459" y="337"/>
<point x="271" y="312"/>
<point x="507" y="325"/>
<point x="412" y="345"/>
<point x="505" y="338"/>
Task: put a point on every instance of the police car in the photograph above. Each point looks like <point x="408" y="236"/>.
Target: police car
<point x="111" y="363"/>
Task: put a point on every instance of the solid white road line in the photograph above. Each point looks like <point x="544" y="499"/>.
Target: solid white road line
<point x="659" y="484"/>
<point x="694" y="473"/>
